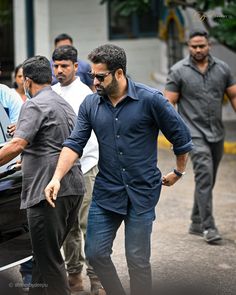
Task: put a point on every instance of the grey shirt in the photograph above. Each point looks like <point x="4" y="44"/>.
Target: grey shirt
<point x="201" y="95"/>
<point x="45" y="121"/>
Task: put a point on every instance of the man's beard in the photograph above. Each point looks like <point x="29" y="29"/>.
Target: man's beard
<point x="110" y="89"/>
<point x="199" y="57"/>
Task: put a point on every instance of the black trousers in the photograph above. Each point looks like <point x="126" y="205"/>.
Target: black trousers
<point x="48" y="229"/>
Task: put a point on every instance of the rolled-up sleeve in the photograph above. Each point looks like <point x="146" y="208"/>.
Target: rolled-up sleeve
<point x="172" y="125"/>
<point x="173" y="81"/>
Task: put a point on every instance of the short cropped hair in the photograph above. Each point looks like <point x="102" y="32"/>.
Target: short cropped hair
<point x="38" y="69"/>
<point x="62" y="37"/>
<point x="65" y="52"/>
<point x="198" y="32"/>
<point x="111" y="55"/>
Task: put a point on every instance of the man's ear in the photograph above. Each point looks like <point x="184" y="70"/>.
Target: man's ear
<point x="76" y="65"/>
<point x="29" y="82"/>
<point x="119" y="73"/>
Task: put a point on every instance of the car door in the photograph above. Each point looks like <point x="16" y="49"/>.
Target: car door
<point x="15" y="246"/>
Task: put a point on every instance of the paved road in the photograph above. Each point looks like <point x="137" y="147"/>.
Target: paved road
<point x="184" y="264"/>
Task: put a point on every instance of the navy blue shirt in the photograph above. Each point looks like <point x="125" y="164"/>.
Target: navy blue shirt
<point x="127" y="137"/>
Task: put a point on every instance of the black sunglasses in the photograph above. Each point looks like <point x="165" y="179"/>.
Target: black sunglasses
<point x="100" y="77"/>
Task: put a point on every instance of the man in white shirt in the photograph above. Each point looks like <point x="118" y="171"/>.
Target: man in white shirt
<point x="70" y="87"/>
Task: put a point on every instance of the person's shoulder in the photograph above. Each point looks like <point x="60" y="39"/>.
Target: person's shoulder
<point x="92" y="97"/>
<point x="56" y="86"/>
<point x="220" y="62"/>
<point x="145" y="87"/>
<point x="9" y="95"/>
<point x="46" y="94"/>
<point x="80" y="87"/>
<point x="144" y="92"/>
<point x="5" y="89"/>
<point x="91" y="100"/>
<point x="180" y="64"/>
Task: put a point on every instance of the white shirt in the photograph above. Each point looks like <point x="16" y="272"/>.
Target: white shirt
<point x="74" y="94"/>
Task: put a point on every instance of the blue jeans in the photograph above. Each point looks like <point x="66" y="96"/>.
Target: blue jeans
<point x="101" y="232"/>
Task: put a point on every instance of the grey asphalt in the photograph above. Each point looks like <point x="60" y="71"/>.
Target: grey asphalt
<point x="184" y="264"/>
<point x="230" y="130"/>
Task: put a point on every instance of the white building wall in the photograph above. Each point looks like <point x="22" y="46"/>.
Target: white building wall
<point x="86" y="22"/>
<point x="41" y="28"/>
<point x="19" y="22"/>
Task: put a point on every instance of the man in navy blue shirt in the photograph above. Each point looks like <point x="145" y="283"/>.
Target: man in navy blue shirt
<point x="126" y="118"/>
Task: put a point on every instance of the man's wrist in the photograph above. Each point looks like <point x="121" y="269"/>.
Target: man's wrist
<point x="178" y="173"/>
<point x="56" y="179"/>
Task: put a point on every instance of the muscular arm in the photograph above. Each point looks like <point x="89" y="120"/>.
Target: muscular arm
<point x="12" y="149"/>
<point x="171" y="96"/>
<point x="231" y="93"/>
<point x="65" y="162"/>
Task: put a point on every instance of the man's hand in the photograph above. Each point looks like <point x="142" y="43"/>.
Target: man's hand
<point x="51" y="191"/>
<point x="11" y="129"/>
<point x="170" y="179"/>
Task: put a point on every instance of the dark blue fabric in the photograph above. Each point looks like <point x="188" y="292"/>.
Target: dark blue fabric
<point x="127" y="137"/>
<point x="7" y="111"/>
<point x="101" y="232"/>
<point x="82" y="72"/>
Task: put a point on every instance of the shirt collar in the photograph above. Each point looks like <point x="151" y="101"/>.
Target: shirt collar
<point x="189" y="61"/>
<point x="43" y="89"/>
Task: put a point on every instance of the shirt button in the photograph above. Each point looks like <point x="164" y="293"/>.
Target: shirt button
<point x="120" y="153"/>
<point x="127" y="185"/>
<point x="117" y="136"/>
<point x="123" y="169"/>
<point x="116" y="119"/>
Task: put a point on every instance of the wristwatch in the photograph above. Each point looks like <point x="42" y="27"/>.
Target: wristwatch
<point x="179" y="174"/>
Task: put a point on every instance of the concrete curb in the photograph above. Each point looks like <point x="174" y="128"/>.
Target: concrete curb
<point x="229" y="147"/>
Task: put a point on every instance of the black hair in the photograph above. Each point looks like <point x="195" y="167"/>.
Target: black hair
<point x="38" y="69"/>
<point x="17" y="69"/>
<point x="111" y="55"/>
<point x="198" y="32"/>
<point x="14" y="84"/>
<point x="65" y="52"/>
<point x="62" y="37"/>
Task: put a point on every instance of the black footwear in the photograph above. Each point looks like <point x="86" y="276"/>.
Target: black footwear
<point x="211" y="235"/>
<point x="196" y="229"/>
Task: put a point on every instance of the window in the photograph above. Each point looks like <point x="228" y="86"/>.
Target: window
<point x="6" y="37"/>
<point x="136" y="25"/>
